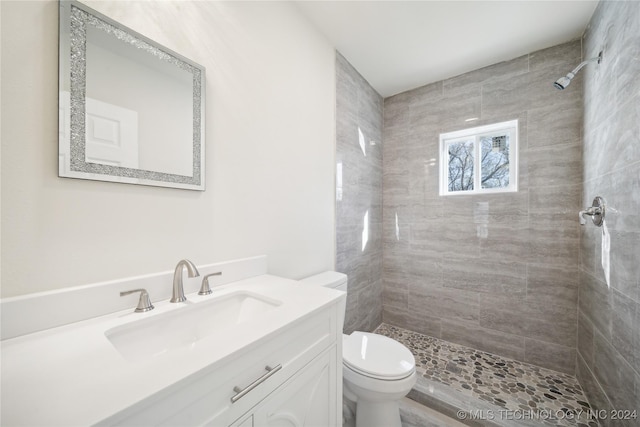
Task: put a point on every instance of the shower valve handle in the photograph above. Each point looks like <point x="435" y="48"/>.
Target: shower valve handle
<point x="596" y="212"/>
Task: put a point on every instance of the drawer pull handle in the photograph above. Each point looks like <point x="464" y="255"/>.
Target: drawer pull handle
<point x="243" y="391"/>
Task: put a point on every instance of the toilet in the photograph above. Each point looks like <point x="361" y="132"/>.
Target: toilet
<point x="377" y="371"/>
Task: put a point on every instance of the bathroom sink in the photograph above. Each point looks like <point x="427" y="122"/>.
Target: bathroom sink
<point x="186" y="326"/>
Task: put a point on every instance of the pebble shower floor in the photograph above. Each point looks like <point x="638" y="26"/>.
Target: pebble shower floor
<point x="506" y="383"/>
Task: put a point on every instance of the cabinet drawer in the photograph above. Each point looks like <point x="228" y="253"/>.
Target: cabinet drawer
<point x="205" y="398"/>
<point x="309" y="398"/>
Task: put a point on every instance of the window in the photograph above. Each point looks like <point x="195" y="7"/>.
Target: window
<point x="479" y="160"/>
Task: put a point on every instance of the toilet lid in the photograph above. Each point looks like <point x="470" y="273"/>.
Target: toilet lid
<point x="377" y="356"/>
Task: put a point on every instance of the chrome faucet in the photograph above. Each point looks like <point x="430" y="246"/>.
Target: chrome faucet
<point x="178" y="289"/>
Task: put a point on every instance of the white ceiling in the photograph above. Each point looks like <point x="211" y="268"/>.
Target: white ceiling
<point x="401" y="45"/>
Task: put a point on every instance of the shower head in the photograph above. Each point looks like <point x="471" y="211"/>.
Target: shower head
<point x="565" y="81"/>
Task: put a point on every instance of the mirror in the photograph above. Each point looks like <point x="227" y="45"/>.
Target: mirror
<point x="130" y="110"/>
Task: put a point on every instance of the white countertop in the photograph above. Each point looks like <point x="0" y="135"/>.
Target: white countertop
<point x="72" y="375"/>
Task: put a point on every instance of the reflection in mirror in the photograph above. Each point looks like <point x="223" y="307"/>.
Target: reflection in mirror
<point x="130" y="110"/>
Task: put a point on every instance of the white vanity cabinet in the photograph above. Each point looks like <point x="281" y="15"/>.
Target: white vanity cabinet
<point x="305" y="391"/>
<point x="261" y="350"/>
<point x="306" y="399"/>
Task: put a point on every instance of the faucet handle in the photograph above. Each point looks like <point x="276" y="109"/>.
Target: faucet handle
<point x="596" y="211"/>
<point x="144" y="303"/>
<point x="205" y="289"/>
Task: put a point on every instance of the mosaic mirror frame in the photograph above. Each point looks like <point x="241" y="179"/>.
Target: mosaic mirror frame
<point x="75" y="19"/>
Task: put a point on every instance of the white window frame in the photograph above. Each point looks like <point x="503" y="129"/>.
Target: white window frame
<point x="510" y="127"/>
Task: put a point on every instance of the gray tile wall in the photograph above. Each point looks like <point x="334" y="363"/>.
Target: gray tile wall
<point x="496" y="272"/>
<point x="609" y="317"/>
<point x="358" y="125"/>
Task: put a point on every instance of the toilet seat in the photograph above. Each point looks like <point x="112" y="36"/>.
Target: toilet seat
<point x="377" y="356"/>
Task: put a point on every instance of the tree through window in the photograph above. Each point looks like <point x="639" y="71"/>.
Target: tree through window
<point x="496" y="170"/>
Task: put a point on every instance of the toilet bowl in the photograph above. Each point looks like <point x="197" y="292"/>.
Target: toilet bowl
<point x="377" y="371"/>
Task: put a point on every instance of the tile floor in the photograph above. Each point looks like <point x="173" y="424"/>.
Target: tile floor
<point x="506" y="387"/>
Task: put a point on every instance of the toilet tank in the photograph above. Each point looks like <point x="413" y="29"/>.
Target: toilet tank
<point x="334" y="280"/>
<point x="329" y="279"/>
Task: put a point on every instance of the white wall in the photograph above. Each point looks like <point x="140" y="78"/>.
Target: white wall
<point x="270" y="151"/>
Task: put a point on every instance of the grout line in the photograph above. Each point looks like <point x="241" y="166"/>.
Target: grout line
<point x="593" y="377"/>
